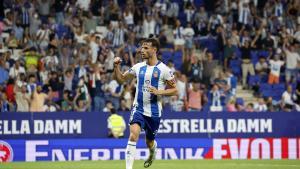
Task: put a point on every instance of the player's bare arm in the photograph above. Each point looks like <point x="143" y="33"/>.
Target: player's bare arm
<point x="119" y="76"/>
<point x="170" y="91"/>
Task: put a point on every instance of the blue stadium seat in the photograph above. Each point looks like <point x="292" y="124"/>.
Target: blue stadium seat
<point x="263" y="53"/>
<point x="182" y="18"/>
<point x="239" y="101"/>
<point x="235" y="66"/>
<point x="265" y="87"/>
<point x="279" y="86"/>
<point x="254" y="57"/>
<point x="264" y="78"/>
<point x="253" y="80"/>
<point x="177" y="55"/>
<point x="169" y="46"/>
<point x="166" y="56"/>
<point x="238" y="53"/>
<point x="267" y="93"/>
<point x="198" y="3"/>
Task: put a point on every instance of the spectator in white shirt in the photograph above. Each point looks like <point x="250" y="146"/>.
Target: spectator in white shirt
<point x="149" y="26"/>
<point x="16" y="69"/>
<point x="292" y="60"/>
<point x="176" y="104"/>
<point x="287" y="103"/>
<point x="275" y="66"/>
<point x="260" y="106"/>
<point x="84" y="4"/>
<point x="178" y="33"/>
<point x="188" y="37"/>
<point x="261" y="66"/>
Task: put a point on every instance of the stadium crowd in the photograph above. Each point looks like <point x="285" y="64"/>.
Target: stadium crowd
<point x="57" y="55"/>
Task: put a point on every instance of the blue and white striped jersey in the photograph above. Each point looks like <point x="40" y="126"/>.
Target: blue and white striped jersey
<point x="144" y="102"/>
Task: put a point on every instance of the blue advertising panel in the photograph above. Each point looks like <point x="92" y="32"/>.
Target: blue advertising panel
<point x="114" y="149"/>
<point x="55" y="125"/>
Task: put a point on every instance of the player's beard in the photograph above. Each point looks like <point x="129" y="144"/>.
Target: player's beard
<point x="145" y="56"/>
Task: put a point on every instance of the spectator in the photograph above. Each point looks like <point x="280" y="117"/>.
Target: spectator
<point x="181" y="86"/>
<point x="176" y="104"/>
<point x="127" y="96"/>
<point x="249" y="107"/>
<point x="228" y="52"/>
<point x="38" y="99"/>
<point x="287" y="103"/>
<point x="50" y="106"/>
<point x="3" y="72"/>
<point x="5" y="106"/>
<point x="261" y="67"/>
<point x="148" y="26"/>
<point x="66" y="104"/>
<point x="173" y="11"/>
<point x="275" y="66"/>
<point x="292" y="60"/>
<point x="188" y="37"/>
<point x="108" y="107"/>
<point x="200" y="22"/>
<point x="178" y="33"/>
<point x="209" y="65"/>
<point x="297" y="97"/>
<point x="194" y="97"/>
<point x="230" y="107"/>
<point x="232" y="82"/>
<point x="16" y="69"/>
<point x="247" y="65"/>
<point x="260" y="106"/>
<point x="10" y="91"/>
<point x="81" y="104"/>
<point x="115" y="91"/>
<point x="55" y="85"/>
<point x="215" y="95"/>
<point x="97" y="93"/>
<point x="22" y="99"/>
<point x="31" y="85"/>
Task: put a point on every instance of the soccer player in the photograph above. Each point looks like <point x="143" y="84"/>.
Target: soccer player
<point x="154" y="80"/>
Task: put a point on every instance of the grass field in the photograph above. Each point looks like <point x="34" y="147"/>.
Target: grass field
<point x="159" y="164"/>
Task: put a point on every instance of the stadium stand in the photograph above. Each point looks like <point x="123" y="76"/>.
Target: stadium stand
<point x="67" y="48"/>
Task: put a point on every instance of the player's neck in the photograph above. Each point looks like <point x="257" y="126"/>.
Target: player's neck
<point x="152" y="61"/>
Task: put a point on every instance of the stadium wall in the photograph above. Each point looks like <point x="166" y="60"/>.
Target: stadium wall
<point x="76" y="136"/>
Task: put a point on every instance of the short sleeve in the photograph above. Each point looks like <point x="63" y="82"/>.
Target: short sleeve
<point x="168" y="74"/>
<point x="133" y="70"/>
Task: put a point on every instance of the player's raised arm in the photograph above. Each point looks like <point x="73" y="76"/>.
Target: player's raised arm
<point x="119" y="76"/>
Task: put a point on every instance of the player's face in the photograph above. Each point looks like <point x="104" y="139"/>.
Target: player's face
<point x="147" y="50"/>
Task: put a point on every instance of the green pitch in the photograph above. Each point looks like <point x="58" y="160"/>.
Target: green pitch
<point x="159" y="164"/>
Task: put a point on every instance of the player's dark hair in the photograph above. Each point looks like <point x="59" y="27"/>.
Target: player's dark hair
<point x="154" y="42"/>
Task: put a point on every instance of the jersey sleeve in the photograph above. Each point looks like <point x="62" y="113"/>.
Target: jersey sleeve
<point x="168" y="74"/>
<point x="133" y="70"/>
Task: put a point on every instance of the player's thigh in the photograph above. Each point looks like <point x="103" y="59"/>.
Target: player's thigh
<point x="136" y="124"/>
<point x="151" y="127"/>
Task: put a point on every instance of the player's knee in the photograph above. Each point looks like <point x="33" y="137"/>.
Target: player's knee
<point x="133" y="137"/>
<point x="149" y="143"/>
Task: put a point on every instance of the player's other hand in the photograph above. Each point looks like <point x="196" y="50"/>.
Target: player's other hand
<point x="117" y="61"/>
<point x="153" y="90"/>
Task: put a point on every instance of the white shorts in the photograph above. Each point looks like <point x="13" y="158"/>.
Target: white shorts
<point x="179" y="42"/>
